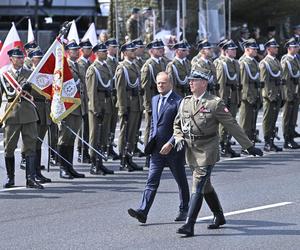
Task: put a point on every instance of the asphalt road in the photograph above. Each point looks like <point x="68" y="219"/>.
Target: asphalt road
<point x="260" y="196"/>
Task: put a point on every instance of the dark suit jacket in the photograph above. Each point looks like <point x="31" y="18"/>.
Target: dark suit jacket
<point x="161" y="130"/>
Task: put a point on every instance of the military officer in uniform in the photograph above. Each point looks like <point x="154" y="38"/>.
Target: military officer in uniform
<point x="203" y="62"/>
<point x="291" y="75"/>
<point x="22" y="119"/>
<point x="228" y="77"/>
<point x="179" y="69"/>
<point x="196" y="125"/>
<point x="129" y="105"/>
<point x="139" y="62"/>
<point x="83" y="64"/>
<point x="151" y="68"/>
<point x="99" y="79"/>
<point x="66" y="138"/>
<point x="43" y="109"/>
<point x="133" y="24"/>
<point x="251" y="90"/>
<point x="222" y="52"/>
<point x="113" y="62"/>
<point x="270" y="75"/>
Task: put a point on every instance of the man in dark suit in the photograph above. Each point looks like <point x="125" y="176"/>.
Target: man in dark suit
<point x="160" y="147"/>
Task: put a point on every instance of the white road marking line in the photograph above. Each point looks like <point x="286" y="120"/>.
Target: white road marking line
<point x="21" y="188"/>
<point x="248" y="210"/>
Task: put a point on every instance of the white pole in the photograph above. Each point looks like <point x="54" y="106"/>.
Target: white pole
<point x="178" y="20"/>
<point x="183" y="17"/>
<point x="116" y="20"/>
<point x="163" y="12"/>
<point x="229" y="19"/>
<point x="154" y="23"/>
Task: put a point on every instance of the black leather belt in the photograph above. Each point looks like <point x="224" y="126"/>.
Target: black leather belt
<point x="199" y="137"/>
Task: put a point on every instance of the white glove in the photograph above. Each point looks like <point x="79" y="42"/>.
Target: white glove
<point x="180" y="144"/>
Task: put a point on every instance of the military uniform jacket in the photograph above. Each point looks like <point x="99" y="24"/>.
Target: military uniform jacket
<point x="23" y="112"/>
<point x="132" y="28"/>
<point x="291" y="75"/>
<point x="112" y="64"/>
<point x="76" y="75"/>
<point x="179" y="72"/>
<point x="228" y="76"/>
<point x="199" y="124"/>
<point x="128" y="87"/>
<point x="139" y="62"/>
<point x="219" y="60"/>
<point x="270" y="74"/>
<point x="251" y="91"/>
<point x="28" y="63"/>
<point x="148" y="80"/>
<point x="99" y="88"/>
<point x="43" y="107"/>
<point x="82" y="68"/>
<point x="206" y="66"/>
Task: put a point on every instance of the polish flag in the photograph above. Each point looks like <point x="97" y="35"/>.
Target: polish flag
<point x="73" y="33"/>
<point x="53" y="79"/>
<point x="11" y="41"/>
<point x="1" y="45"/>
<point x="92" y="36"/>
<point x="30" y="36"/>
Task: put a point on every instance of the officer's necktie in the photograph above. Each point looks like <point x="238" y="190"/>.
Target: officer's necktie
<point x="162" y="103"/>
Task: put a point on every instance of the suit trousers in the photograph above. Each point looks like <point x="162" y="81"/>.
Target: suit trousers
<point x="271" y="111"/>
<point x="65" y="136"/>
<point x="157" y="164"/>
<point x="248" y="117"/>
<point x="290" y="111"/>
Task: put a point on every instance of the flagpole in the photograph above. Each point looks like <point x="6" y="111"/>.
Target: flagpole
<point x="11" y="106"/>
<point x="178" y="20"/>
<point x="36" y="17"/>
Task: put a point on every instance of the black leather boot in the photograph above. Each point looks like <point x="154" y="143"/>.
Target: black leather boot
<point x="73" y="172"/>
<point x="137" y="151"/>
<point x="133" y="165"/>
<point x="290" y="144"/>
<point x="23" y="162"/>
<point x="10" y="169"/>
<point x="213" y="202"/>
<point x="30" y="173"/>
<point x="194" y="208"/>
<point x="38" y="174"/>
<point x="274" y="147"/>
<point x="63" y="170"/>
<point x="296" y="134"/>
<point x="124" y="164"/>
<point x="94" y="170"/>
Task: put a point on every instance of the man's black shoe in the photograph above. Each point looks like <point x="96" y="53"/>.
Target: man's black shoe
<point x="218" y="220"/>
<point x="138" y="215"/>
<point x="291" y="145"/>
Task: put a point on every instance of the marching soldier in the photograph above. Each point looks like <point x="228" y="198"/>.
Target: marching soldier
<point x="228" y="76"/>
<point x="133" y="24"/>
<point x="179" y="69"/>
<point x="196" y="125"/>
<point x="139" y="62"/>
<point x="270" y="75"/>
<point x="291" y="75"/>
<point x="29" y="47"/>
<point x="22" y="119"/>
<point x="99" y="79"/>
<point x="72" y="122"/>
<point x="83" y="64"/>
<point x="251" y="89"/>
<point x="151" y="68"/>
<point x="43" y="109"/>
<point x="112" y="62"/>
<point x="202" y="62"/>
<point x="130" y="107"/>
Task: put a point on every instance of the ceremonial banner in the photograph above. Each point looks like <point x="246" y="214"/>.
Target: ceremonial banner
<point x="53" y="79"/>
<point x="30" y="36"/>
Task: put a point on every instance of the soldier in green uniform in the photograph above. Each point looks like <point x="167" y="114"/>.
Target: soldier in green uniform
<point x="196" y="125"/>
<point x="133" y="25"/>
<point x="203" y="62"/>
<point x="112" y="62"/>
<point x="179" y="69"/>
<point x="270" y="75"/>
<point x="43" y="109"/>
<point x="139" y="62"/>
<point x="99" y="79"/>
<point x="228" y="77"/>
<point x="66" y="138"/>
<point x="251" y="89"/>
<point x="83" y="64"/>
<point x="130" y="107"/>
<point x="29" y="47"/>
<point x="22" y="119"/>
<point x="151" y="68"/>
<point x="291" y="75"/>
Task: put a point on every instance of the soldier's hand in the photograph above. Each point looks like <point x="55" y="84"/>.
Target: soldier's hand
<point x="166" y="148"/>
<point x="27" y="87"/>
<point x="179" y="145"/>
<point x="255" y="151"/>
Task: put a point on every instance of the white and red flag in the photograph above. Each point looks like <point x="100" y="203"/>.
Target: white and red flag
<point x="12" y="40"/>
<point x="91" y="35"/>
<point x="53" y="79"/>
<point x="30" y="35"/>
